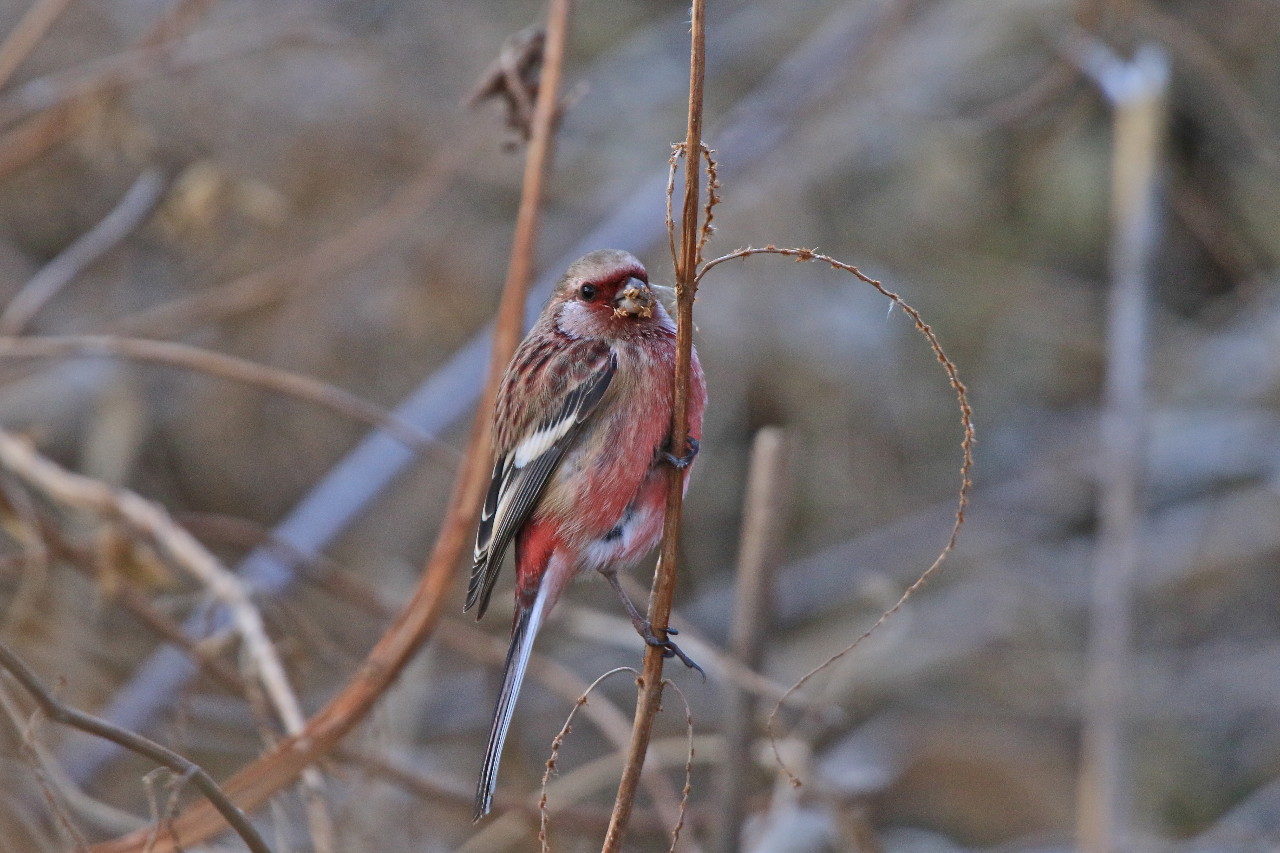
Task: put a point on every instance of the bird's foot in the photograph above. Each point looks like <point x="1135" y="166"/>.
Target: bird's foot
<point x="668" y="646"/>
<point x="682" y="462"/>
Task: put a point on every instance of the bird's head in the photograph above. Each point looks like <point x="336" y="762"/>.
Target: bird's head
<point x="607" y="294"/>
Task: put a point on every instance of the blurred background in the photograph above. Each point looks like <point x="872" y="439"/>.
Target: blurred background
<point x="302" y="185"/>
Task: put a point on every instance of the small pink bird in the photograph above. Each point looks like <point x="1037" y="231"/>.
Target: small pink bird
<point x="581" y="437"/>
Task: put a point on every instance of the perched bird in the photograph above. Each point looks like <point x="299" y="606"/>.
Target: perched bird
<point x="581" y="439"/>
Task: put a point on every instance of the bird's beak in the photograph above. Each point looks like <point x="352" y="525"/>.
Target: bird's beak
<point x="635" y="299"/>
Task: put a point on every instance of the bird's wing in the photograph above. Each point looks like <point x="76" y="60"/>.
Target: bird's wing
<point x="521" y="473"/>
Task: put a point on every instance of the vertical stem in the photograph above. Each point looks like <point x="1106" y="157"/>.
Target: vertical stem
<point x="509" y="325"/>
<point x="762" y="517"/>
<point x="1137" y="90"/>
<point x="664" y="579"/>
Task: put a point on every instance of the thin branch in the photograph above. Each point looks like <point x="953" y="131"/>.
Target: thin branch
<point x="415" y="623"/>
<point x="161" y="755"/>
<point x="130" y="212"/>
<point x="225" y="367"/>
<point x="966" y="466"/>
<point x="664" y="580"/>
<point x="544" y="817"/>
<point x="27" y="34"/>
<point x="763" y="518"/>
<point x="1138" y="90"/>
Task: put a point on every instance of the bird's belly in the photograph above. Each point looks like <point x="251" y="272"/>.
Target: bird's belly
<point x="633" y="536"/>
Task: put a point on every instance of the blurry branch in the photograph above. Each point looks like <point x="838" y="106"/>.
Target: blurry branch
<point x="1231" y="99"/>
<point x="257" y="782"/>
<point x="651" y="682"/>
<point x="764" y="511"/>
<point x="27" y="34"/>
<point x="59" y="787"/>
<point x="130" y="212"/>
<point x="1137" y="90"/>
<point x="58" y="712"/>
<point x="754" y="127"/>
<point x="225" y="367"/>
<point x="94" y="78"/>
<point x="153" y="522"/>
<point x="966" y="465"/>
<point x="344" y="251"/>
<point x="23" y="144"/>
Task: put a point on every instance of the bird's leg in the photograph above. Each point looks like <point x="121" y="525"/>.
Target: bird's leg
<point x="681" y="462"/>
<point x="645" y="629"/>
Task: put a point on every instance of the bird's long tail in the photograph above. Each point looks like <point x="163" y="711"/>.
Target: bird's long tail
<point x="528" y="621"/>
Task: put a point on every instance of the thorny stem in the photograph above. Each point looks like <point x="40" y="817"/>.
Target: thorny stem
<point x="966" y="466"/>
<point x="650" y="682"/>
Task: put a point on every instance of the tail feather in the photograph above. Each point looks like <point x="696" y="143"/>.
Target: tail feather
<point x="528" y="621"/>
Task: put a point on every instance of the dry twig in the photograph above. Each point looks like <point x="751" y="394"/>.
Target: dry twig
<point x="966" y="446"/>
<point x="225" y="367"/>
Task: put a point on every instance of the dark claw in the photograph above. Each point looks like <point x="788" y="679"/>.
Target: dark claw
<point x="683" y="462"/>
<point x="671" y="650"/>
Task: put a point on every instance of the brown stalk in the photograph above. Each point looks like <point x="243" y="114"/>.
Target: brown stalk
<point x="650" y="682"/>
<point x="224" y="367"/>
<point x="256" y="783"/>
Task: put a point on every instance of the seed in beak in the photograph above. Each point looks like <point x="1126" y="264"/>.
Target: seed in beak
<point x="636" y="300"/>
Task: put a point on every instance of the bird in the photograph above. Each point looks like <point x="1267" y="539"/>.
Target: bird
<point x="581" y="440"/>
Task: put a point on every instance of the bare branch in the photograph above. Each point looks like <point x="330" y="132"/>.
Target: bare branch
<point x="225" y="367"/>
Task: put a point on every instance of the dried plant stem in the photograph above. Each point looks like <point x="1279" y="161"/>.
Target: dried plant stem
<point x="23" y="38"/>
<point x="544" y="817"/>
<point x="664" y="580"/>
<point x="225" y="367"/>
<point x="1137" y="90"/>
<point x="264" y="777"/>
<point x="966" y="466"/>
<point x="58" y="712"/>
<point x="762" y="525"/>
<point x="130" y="212"/>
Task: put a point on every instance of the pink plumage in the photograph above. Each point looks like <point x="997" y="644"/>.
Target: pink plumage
<point x="581" y="434"/>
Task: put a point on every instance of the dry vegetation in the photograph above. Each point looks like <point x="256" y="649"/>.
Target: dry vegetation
<point x="294" y="200"/>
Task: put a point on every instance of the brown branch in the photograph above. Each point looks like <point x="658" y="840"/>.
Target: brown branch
<point x="161" y="755"/>
<point x="254" y="784"/>
<point x="344" y="251"/>
<point x="664" y="580"/>
<point x="224" y="367"/>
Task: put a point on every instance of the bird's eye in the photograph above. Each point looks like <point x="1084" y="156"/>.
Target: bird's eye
<point x="588" y="292"/>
